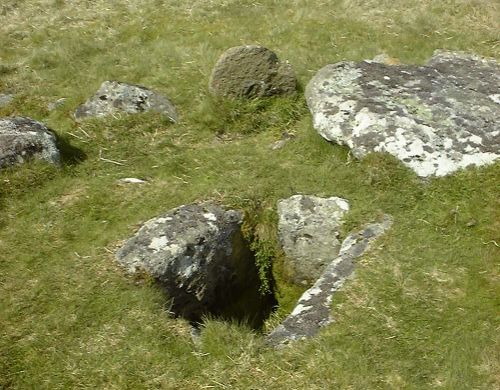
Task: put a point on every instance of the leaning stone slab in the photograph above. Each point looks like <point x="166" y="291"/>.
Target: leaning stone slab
<point x="116" y="97"/>
<point x="251" y="72"/>
<point x="308" y="230"/>
<point x="313" y="310"/>
<point x="197" y="254"/>
<point x="22" y="139"/>
<point x="436" y="118"/>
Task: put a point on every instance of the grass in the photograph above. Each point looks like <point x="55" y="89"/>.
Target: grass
<point x="422" y="311"/>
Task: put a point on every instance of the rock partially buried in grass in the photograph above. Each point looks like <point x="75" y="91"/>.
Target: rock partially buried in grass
<point x="22" y="139"/>
<point x="309" y="230"/>
<point x="313" y="310"/>
<point x="198" y="255"/>
<point x="251" y="72"/>
<point x="5" y="99"/>
<point x="436" y="118"/>
<point x="115" y="97"/>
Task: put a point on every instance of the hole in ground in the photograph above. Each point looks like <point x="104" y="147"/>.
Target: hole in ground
<point x="233" y="291"/>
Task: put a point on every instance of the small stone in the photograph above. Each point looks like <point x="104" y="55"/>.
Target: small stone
<point x="386" y="59"/>
<point x="471" y="223"/>
<point x="285" y="138"/>
<point x="5" y="99"/>
<point x="22" y="139"/>
<point x="115" y="97"/>
<point x="251" y="72"/>
<point x="132" y="180"/>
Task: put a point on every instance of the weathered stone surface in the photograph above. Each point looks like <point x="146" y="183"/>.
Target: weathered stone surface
<point x="308" y="230"/>
<point x="5" y="99"/>
<point x="251" y="71"/>
<point x="115" y="97"/>
<point x="22" y="139"/>
<point x="313" y="310"/>
<point x="198" y="256"/>
<point x="435" y="118"/>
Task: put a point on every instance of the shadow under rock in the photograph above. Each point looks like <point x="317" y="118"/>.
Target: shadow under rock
<point x="70" y="155"/>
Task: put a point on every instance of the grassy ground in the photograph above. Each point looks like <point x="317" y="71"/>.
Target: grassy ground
<point x="423" y="311"/>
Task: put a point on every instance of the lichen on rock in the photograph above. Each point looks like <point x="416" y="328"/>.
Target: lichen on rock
<point x="197" y="254"/>
<point x="22" y="139"/>
<point x="313" y="309"/>
<point x="116" y="97"/>
<point x="309" y="231"/>
<point x="435" y="118"/>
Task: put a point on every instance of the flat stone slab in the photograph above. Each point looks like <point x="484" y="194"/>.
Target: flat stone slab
<point x="313" y="310"/>
<point x="116" y="97"/>
<point x="22" y="139"/>
<point x="251" y="71"/>
<point x="436" y="118"/>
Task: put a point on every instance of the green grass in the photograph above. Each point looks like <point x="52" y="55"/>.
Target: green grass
<point x="423" y="310"/>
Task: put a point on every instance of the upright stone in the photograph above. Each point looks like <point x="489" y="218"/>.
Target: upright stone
<point x="251" y="72"/>
<point x="22" y="139"/>
<point x="309" y="230"/>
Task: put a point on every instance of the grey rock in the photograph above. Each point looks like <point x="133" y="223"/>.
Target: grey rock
<point x="308" y="230"/>
<point x="115" y="97"/>
<point x="313" y="310"/>
<point x="251" y="72"/>
<point x="280" y="144"/>
<point x="5" y="99"/>
<point x="22" y="139"/>
<point x="436" y="118"/>
<point x="198" y="255"/>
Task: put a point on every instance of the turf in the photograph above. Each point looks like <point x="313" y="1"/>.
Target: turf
<point x="423" y="309"/>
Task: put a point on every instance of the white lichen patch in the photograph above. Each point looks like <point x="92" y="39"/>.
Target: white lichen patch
<point x="363" y="120"/>
<point x="495" y="98"/>
<point x="190" y="270"/>
<point x="300" y="308"/>
<point x="210" y="216"/>
<point x="343" y="204"/>
<point x="158" y="243"/>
